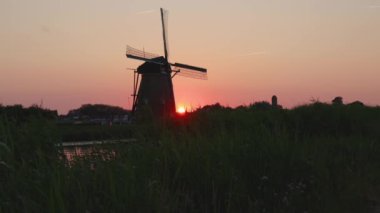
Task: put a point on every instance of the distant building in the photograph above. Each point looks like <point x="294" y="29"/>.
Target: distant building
<point x="275" y="104"/>
<point x="274" y="101"/>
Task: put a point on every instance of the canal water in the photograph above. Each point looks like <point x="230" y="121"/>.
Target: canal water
<point x="99" y="149"/>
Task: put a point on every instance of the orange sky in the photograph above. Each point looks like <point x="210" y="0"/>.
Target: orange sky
<point x="68" y="53"/>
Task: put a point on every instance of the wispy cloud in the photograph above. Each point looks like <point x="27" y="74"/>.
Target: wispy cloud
<point x="45" y="29"/>
<point x="146" y="12"/>
<point x="249" y="54"/>
<point x="253" y="53"/>
<point x="374" y="6"/>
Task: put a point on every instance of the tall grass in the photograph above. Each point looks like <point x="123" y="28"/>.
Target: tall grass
<point x="315" y="158"/>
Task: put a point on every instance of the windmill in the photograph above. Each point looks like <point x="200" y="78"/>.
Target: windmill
<point x="155" y="90"/>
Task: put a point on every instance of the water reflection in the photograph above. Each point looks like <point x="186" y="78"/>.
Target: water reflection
<point x="72" y="153"/>
<point x="102" y="150"/>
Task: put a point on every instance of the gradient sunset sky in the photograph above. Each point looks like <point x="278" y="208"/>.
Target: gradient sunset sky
<point x="68" y="53"/>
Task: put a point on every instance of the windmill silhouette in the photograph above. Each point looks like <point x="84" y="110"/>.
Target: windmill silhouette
<point x="155" y="90"/>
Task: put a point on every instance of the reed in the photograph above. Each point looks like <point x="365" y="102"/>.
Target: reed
<point x="313" y="158"/>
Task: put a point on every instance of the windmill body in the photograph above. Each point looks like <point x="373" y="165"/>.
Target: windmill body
<point x="155" y="90"/>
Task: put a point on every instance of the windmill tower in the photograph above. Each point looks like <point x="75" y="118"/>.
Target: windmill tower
<point x="155" y="90"/>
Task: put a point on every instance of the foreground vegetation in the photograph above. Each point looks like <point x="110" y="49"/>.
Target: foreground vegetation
<point x="314" y="158"/>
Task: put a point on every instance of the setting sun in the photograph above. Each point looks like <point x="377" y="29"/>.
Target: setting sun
<point x="181" y="110"/>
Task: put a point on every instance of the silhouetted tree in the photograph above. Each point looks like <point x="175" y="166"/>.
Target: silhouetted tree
<point x="97" y="110"/>
<point x="19" y="113"/>
<point x="262" y="105"/>
<point x="337" y="101"/>
<point x="356" y="103"/>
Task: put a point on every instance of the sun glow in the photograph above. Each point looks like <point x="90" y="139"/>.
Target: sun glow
<point x="181" y="110"/>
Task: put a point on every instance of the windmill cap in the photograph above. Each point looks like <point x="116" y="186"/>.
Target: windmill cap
<point x="153" y="66"/>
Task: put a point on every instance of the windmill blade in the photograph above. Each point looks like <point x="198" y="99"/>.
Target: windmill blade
<point x="164" y="21"/>
<point x="190" y="71"/>
<point x="189" y="67"/>
<point x="141" y="55"/>
<point x="191" y="74"/>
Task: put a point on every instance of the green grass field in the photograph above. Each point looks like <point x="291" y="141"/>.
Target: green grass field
<point x="313" y="158"/>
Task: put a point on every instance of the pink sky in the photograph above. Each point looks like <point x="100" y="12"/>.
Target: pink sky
<point x="73" y="53"/>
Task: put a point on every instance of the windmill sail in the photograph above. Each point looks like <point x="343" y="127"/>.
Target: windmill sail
<point x="185" y="66"/>
<point x="190" y="71"/>
<point x="140" y="55"/>
<point x="191" y="74"/>
<point x="164" y="20"/>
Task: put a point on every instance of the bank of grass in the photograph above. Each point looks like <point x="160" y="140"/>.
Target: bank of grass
<point x="94" y="132"/>
<point x="314" y="158"/>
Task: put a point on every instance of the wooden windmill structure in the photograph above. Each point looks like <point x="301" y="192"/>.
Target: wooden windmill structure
<point x="155" y="90"/>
